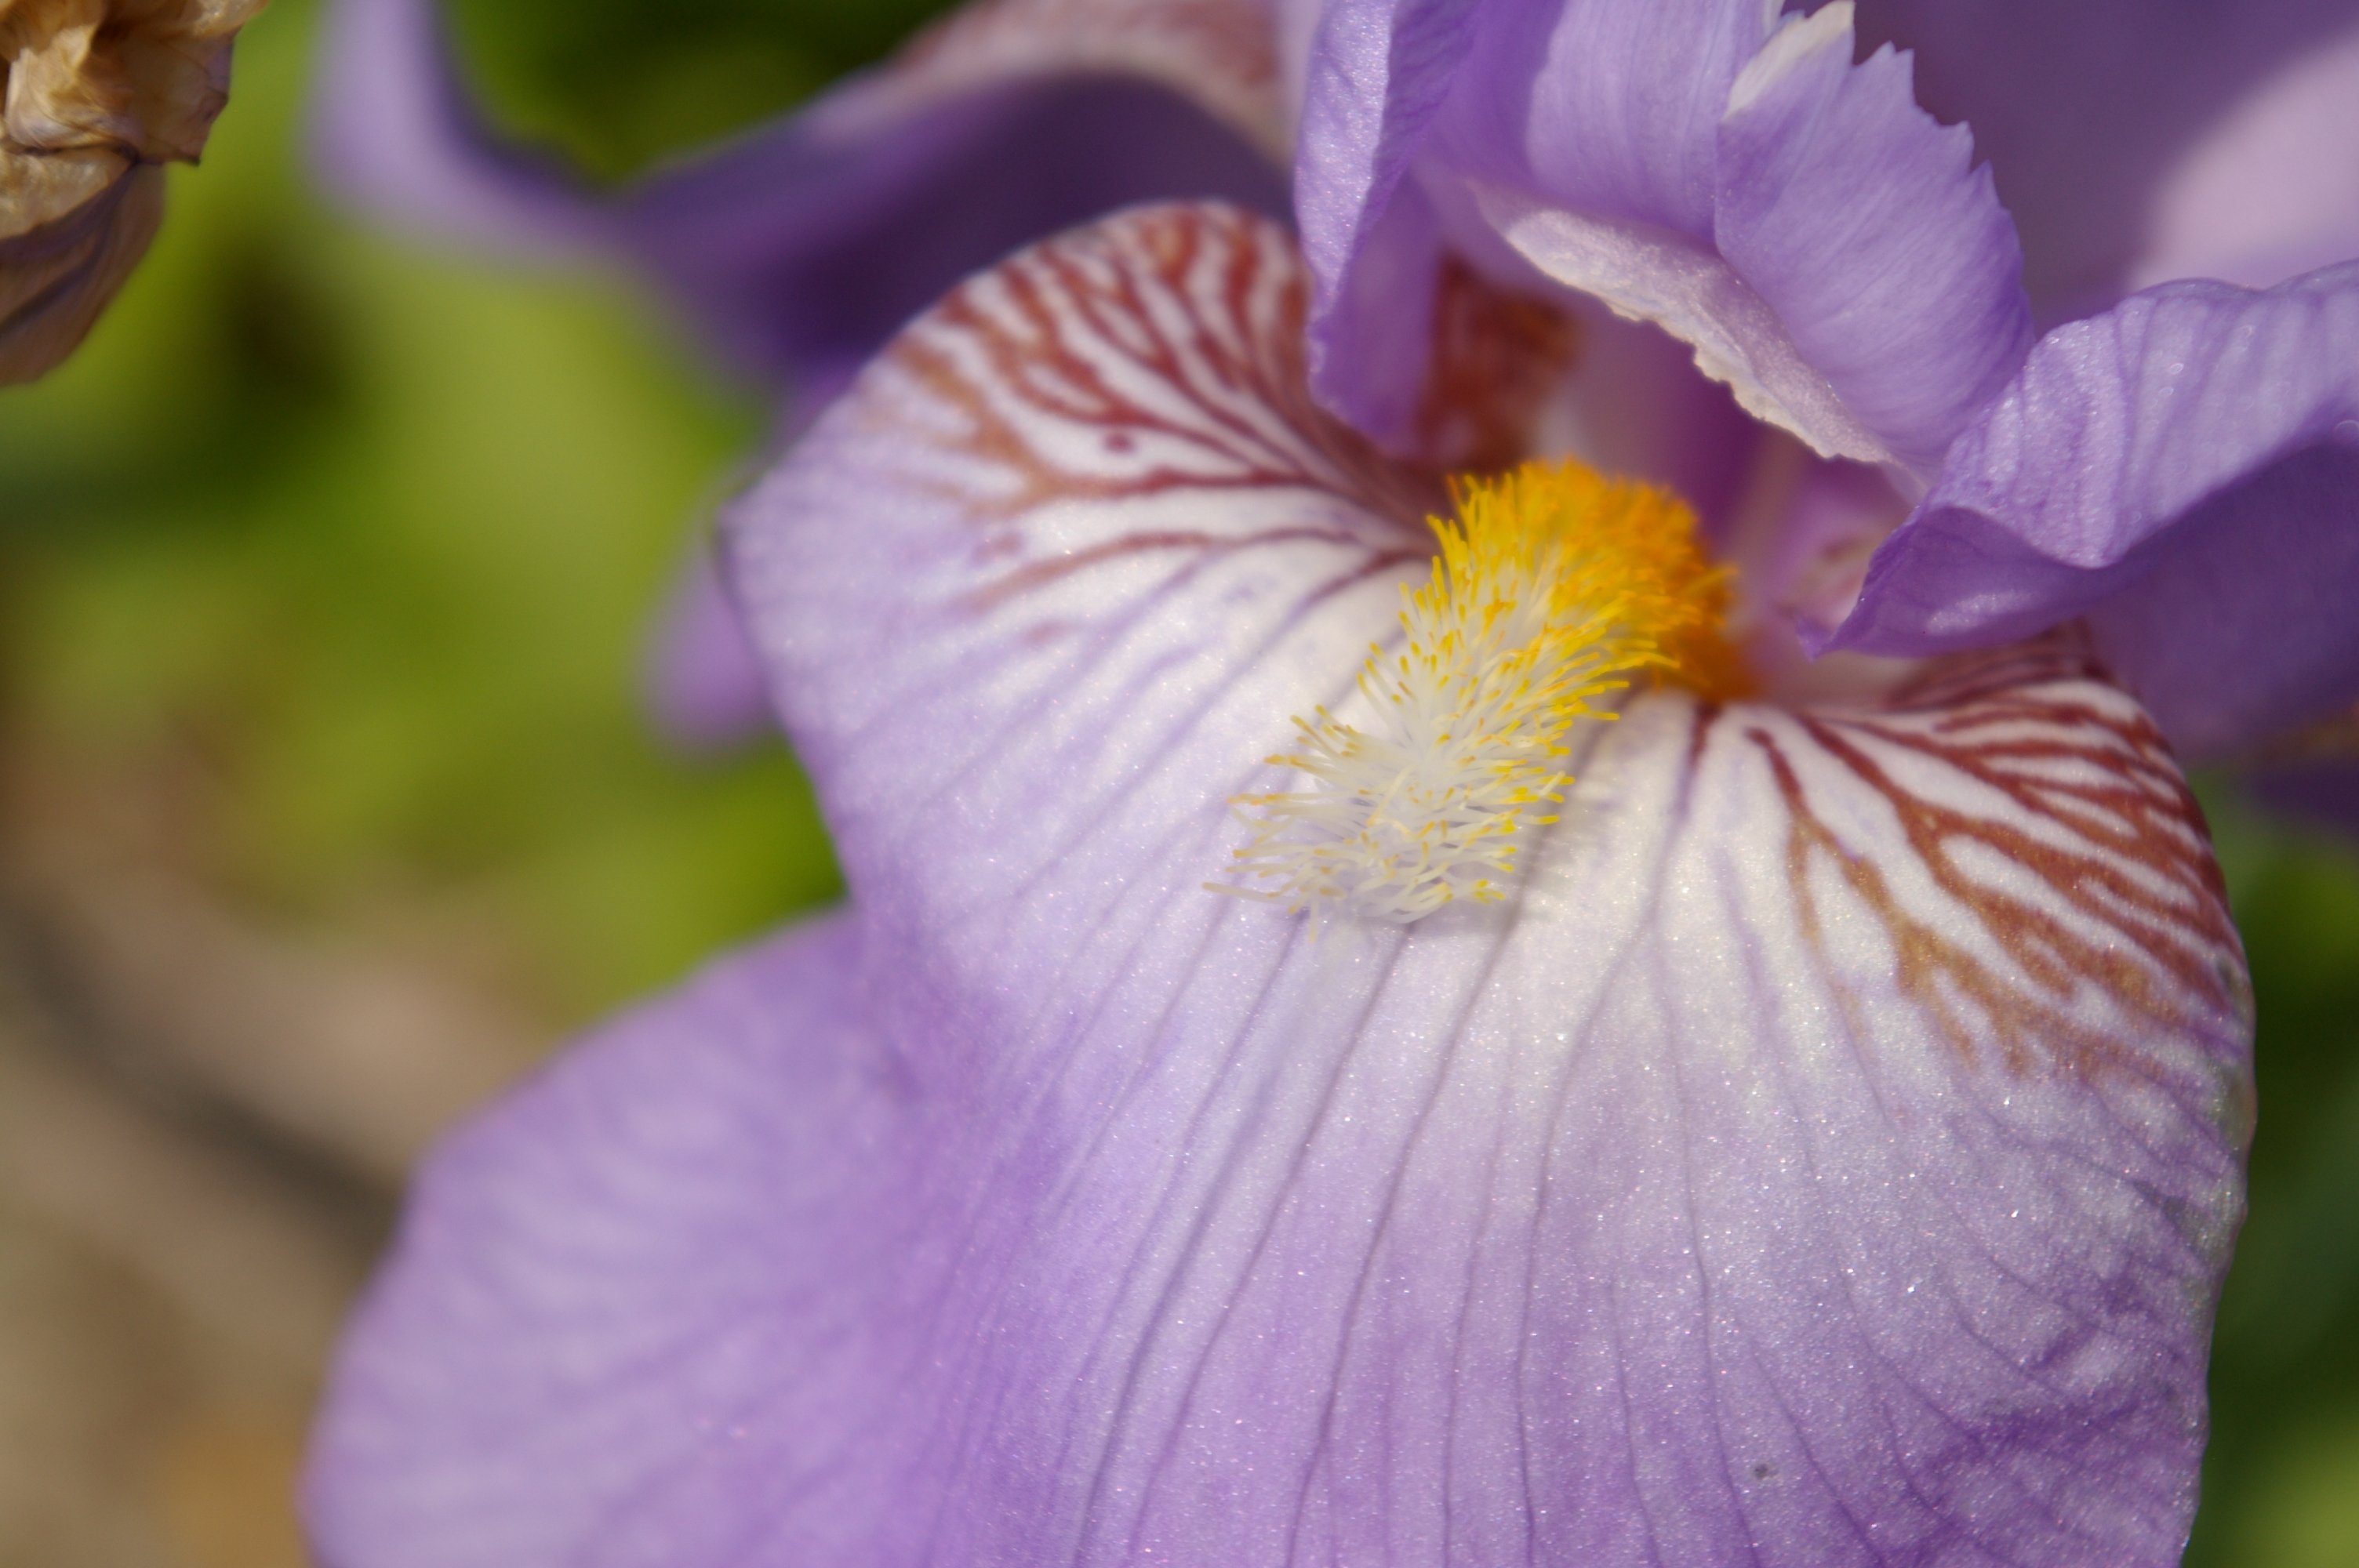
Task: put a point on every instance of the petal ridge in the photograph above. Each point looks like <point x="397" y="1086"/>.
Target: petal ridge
<point x="1868" y="229"/>
<point x="1828" y="250"/>
<point x="2176" y="470"/>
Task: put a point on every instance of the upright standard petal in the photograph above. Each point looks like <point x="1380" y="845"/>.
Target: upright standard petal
<point x="1377" y="72"/>
<point x="1828" y="1155"/>
<point x="802" y="248"/>
<point x="2182" y="472"/>
<point x="2136" y="142"/>
<point x="1792" y="216"/>
<point x="2267" y="192"/>
<point x="1398" y="90"/>
<point x="1867" y="228"/>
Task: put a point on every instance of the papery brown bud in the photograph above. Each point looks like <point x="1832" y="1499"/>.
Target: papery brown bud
<point x="94" y="94"/>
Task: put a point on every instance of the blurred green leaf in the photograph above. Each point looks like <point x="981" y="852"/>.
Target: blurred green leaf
<point x="2281" y="1481"/>
<point x="617" y="86"/>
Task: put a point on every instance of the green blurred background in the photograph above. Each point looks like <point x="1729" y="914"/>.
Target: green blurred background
<point x="327" y="574"/>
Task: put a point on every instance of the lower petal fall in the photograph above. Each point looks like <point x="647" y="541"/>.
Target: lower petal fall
<point x="1827" y="1156"/>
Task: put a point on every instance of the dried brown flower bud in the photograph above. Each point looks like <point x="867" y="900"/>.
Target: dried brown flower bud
<point x="94" y="94"/>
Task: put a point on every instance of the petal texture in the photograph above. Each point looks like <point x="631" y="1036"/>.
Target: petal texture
<point x="1820" y="243"/>
<point x="629" y="1317"/>
<point x="1828" y="1158"/>
<point x="1870" y="234"/>
<point x="1377" y="73"/>
<point x="800" y="247"/>
<point x="2182" y="471"/>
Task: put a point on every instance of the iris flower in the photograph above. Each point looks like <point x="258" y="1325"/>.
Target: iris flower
<point x="1388" y="1011"/>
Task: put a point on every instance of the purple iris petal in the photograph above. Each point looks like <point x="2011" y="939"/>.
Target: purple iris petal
<point x="1827" y="1157"/>
<point x="2181" y="470"/>
<point x="1377" y="73"/>
<point x="2270" y="192"/>
<point x="1818" y="1161"/>
<point x="799" y="248"/>
<point x="1866" y="228"/>
<point x="2087" y="111"/>
<point x="1828" y="249"/>
<point x="632" y="1314"/>
<point x="1385" y="79"/>
<point x="706" y="683"/>
<point x="395" y="131"/>
<point x="1822" y="244"/>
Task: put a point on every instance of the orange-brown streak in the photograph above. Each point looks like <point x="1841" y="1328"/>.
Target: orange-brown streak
<point x="1231" y="354"/>
<point x="1494" y="359"/>
<point x="2167" y="968"/>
